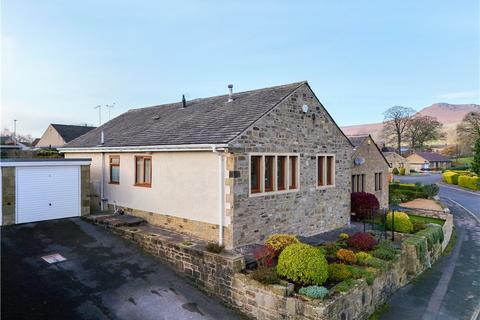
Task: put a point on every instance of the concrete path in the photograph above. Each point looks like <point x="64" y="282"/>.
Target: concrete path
<point x="104" y="277"/>
<point x="451" y="288"/>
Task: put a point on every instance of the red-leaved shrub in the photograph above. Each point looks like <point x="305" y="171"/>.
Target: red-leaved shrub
<point x="362" y="241"/>
<point x="364" y="204"/>
<point x="265" y="256"/>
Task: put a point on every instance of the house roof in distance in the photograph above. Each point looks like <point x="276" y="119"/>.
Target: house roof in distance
<point x="212" y="120"/>
<point x="71" y="132"/>
<point x="432" y="156"/>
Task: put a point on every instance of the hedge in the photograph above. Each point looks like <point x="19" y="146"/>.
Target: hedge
<point x="469" y="182"/>
<point x="450" y="177"/>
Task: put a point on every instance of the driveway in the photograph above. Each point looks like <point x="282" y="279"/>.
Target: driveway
<point x="451" y="288"/>
<point x="104" y="277"/>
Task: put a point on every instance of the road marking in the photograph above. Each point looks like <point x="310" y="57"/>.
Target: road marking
<point x="450" y="187"/>
<point x="470" y="212"/>
<point x="476" y="313"/>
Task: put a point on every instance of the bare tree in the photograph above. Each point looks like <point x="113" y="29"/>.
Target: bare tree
<point x="468" y="131"/>
<point x="423" y="129"/>
<point x="395" y="123"/>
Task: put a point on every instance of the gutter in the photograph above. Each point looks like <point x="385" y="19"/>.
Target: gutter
<point x="165" y="148"/>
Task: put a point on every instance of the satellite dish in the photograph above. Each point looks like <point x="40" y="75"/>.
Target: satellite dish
<point x="305" y="108"/>
<point x="359" y="161"/>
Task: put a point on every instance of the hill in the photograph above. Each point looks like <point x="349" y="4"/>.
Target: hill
<point x="450" y="115"/>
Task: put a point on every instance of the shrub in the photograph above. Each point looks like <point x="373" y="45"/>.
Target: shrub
<point x="401" y="222"/>
<point x="450" y="177"/>
<point x="278" y="242"/>
<point x="402" y="171"/>
<point x="395" y="171"/>
<point x="331" y="249"/>
<point x="344" y="286"/>
<point x="431" y="190"/>
<point x="385" y="251"/>
<point x="338" y="272"/>
<point x="265" y="256"/>
<point x="362" y="257"/>
<point x="344" y="236"/>
<point x="359" y="272"/>
<point x="364" y="203"/>
<point x="434" y="234"/>
<point x="376" y="263"/>
<point x="418" y="225"/>
<point x="347" y="256"/>
<point x="362" y="241"/>
<point x="469" y="182"/>
<point x="303" y="264"/>
<point x="314" y="292"/>
<point x="266" y="275"/>
<point x="214" y="247"/>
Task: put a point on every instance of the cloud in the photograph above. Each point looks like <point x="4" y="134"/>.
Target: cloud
<point x="468" y="94"/>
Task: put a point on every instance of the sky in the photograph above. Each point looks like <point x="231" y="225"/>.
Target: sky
<point x="60" y="59"/>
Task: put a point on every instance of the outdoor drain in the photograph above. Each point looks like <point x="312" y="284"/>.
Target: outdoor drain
<point x="54" y="258"/>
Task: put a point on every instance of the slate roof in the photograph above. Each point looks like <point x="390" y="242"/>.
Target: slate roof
<point x="70" y="132"/>
<point x="357" y="140"/>
<point x="211" y="120"/>
<point x="433" y="157"/>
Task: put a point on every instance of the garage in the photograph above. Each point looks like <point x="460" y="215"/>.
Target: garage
<point x="44" y="189"/>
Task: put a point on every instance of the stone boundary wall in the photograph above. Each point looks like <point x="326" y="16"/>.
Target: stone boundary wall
<point x="223" y="276"/>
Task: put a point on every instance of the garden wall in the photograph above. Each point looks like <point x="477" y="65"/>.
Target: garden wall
<point x="223" y="275"/>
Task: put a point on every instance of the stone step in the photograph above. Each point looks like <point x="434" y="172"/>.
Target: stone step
<point x="114" y="220"/>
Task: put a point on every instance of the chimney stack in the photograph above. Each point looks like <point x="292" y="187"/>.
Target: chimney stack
<point x="184" y="101"/>
<point x="230" y="92"/>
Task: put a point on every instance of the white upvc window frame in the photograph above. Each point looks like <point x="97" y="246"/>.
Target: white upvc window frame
<point x="275" y="190"/>
<point x="325" y="167"/>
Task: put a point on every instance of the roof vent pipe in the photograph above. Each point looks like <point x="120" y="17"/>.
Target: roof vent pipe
<point x="102" y="138"/>
<point x="184" y="101"/>
<point x="230" y="92"/>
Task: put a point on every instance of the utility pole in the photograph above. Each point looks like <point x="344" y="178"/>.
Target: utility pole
<point x="15" y="130"/>
<point x="109" y="107"/>
<point x="99" y="107"/>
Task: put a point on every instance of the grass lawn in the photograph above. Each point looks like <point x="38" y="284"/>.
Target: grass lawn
<point x="426" y="219"/>
<point x="466" y="160"/>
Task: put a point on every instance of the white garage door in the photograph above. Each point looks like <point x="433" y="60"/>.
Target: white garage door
<point x="45" y="193"/>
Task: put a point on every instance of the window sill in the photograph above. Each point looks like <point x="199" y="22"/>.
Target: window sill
<point x="325" y="187"/>
<point x="271" y="193"/>
<point x="144" y="185"/>
<point x="112" y="182"/>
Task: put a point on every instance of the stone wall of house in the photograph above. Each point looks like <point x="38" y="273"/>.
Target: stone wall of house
<point x="310" y="210"/>
<point x="201" y="230"/>
<point x="85" y="189"/>
<point x="374" y="163"/>
<point x="8" y="195"/>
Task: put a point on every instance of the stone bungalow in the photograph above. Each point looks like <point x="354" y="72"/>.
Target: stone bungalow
<point x="428" y="161"/>
<point x="370" y="168"/>
<point x="233" y="168"/>
<point x="397" y="161"/>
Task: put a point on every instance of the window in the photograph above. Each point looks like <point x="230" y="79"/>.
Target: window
<point x="143" y="171"/>
<point x="293" y="172"/>
<point x="358" y="183"/>
<point x="269" y="160"/>
<point x="378" y="181"/>
<point x="273" y="173"/>
<point x="255" y="163"/>
<point x="325" y="170"/>
<point x="281" y="168"/>
<point x="115" y="169"/>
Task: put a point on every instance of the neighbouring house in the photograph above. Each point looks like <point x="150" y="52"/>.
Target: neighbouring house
<point x="57" y="135"/>
<point x="10" y="147"/>
<point x="369" y="168"/>
<point x="397" y="161"/>
<point x="233" y="168"/>
<point x="428" y="161"/>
